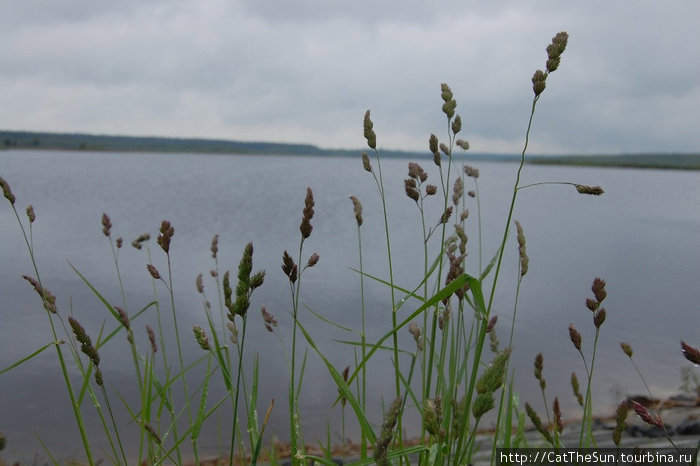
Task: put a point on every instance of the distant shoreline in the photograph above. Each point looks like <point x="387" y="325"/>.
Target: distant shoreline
<point x="16" y="140"/>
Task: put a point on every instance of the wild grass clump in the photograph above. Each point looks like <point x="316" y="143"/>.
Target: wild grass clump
<point x="445" y="375"/>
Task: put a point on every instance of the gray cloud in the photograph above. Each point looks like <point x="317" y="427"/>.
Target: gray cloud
<point x="306" y="70"/>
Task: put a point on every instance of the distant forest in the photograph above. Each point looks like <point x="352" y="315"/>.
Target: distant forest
<point x="91" y="142"/>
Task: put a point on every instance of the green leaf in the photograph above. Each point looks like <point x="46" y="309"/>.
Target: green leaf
<point x="343" y="387"/>
<point x="445" y="292"/>
<point x="202" y="402"/>
<point x="25" y="359"/>
<point x="491" y="264"/>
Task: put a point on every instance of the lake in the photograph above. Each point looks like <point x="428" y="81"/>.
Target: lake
<point x="641" y="236"/>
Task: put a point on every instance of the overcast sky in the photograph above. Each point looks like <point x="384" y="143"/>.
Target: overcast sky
<point x="306" y="71"/>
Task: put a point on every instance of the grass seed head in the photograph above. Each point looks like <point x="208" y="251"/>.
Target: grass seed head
<point x="166" y="233"/>
<point x="214" y="246"/>
<point x="123" y="317"/>
<point x="555" y="50"/>
<point x="592" y="304"/>
<point x="462" y="143"/>
<point x="313" y="260"/>
<point x="365" y="162"/>
<point x="449" y="105"/>
<point x="289" y="267"/>
<point x="522" y="250"/>
<point x="690" y="353"/>
<point x="308" y="213"/>
<point x="432" y="416"/>
<point x="646" y="416"/>
<point x="86" y="347"/>
<point x="430" y="190"/>
<point x="457" y="124"/>
<point x="414" y="330"/>
<point x="257" y="279"/>
<point x="411" y="189"/>
<point x="228" y="294"/>
<point x="457" y="191"/>
<point x="99" y="380"/>
<point x="201" y="337"/>
<point x="492" y="323"/>
<point x="384" y="440"/>
<point x="357" y="206"/>
<point x="243" y="288"/>
<point x="627" y="349"/>
<point x="47" y="298"/>
<point x="106" y="224"/>
<point x="433" y="144"/>
<point x="598" y="289"/>
<point x="557" y="415"/>
<point x="539" y="82"/>
<point x="416" y="172"/>
<point x="268" y="319"/>
<point x="575" y="337"/>
<point x="444" y="316"/>
<point x="459" y="231"/>
<point x="599" y="317"/>
<point x="446" y="215"/>
<point x="539" y="365"/>
<point x="199" y="283"/>
<point x="445" y="150"/>
<point x="30" y="213"/>
<point x="620" y="424"/>
<point x="471" y="172"/>
<point x="6" y="191"/>
<point x="153" y="271"/>
<point x="152" y="338"/>
<point x="576" y="389"/>
<point x="537" y="422"/>
<point x="137" y="243"/>
<point x="346" y="374"/>
<point x="591" y="190"/>
<point x="494" y="375"/>
<point x="245" y="266"/>
<point x="369" y="133"/>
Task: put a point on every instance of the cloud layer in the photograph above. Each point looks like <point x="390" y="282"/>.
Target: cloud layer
<point x="306" y="70"/>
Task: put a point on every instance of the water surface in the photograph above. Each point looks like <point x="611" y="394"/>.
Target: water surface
<point x="641" y="236"/>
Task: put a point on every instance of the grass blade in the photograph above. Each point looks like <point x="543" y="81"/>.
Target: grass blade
<point x="343" y="387"/>
<point x="445" y="292"/>
<point x="25" y="359"/>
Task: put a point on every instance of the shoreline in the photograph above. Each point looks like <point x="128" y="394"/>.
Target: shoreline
<point x="680" y="414"/>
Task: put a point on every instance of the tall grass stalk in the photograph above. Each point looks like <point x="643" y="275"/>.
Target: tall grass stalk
<point x="122" y="317"/>
<point x="371" y="138"/>
<point x="357" y="208"/>
<point x="166" y="233"/>
<point x="539" y="80"/>
<point x="7" y="193"/>
<point x="294" y="272"/>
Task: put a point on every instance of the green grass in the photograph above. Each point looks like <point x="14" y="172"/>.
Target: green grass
<point x="448" y="375"/>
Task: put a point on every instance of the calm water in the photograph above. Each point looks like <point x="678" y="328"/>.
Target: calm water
<point x="641" y="236"/>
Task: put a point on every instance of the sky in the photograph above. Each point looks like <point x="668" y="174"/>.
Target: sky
<point x="305" y="71"/>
